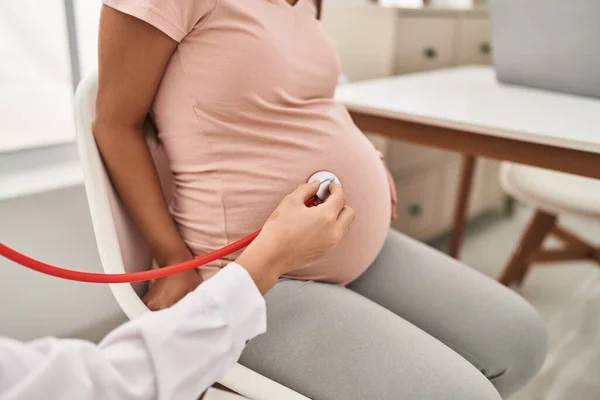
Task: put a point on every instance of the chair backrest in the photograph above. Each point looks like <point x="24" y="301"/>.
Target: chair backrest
<point x="120" y="244"/>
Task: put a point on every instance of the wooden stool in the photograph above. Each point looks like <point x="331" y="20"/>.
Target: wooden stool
<point x="551" y="193"/>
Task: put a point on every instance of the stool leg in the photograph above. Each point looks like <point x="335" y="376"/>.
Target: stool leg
<point x="540" y="225"/>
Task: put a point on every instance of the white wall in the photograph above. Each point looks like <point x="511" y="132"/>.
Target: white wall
<point x="364" y="35"/>
<point x="54" y="227"/>
<point x="87" y="13"/>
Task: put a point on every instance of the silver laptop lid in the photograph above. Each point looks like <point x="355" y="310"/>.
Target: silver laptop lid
<point x="548" y="44"/>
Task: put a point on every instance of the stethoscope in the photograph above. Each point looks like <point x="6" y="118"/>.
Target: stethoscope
<point x="324" y="177"/>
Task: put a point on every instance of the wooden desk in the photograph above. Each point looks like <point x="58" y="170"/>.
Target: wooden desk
<point x="466" y="110"/>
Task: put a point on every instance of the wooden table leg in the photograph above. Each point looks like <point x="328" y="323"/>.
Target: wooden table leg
<point x="462" y="205"/>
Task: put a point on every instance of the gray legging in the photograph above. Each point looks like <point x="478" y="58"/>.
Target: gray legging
<point x="416" y="325"/>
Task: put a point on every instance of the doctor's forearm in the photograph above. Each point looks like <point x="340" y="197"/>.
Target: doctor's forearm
<point x="195" y="342"/>
<point x="176" y="353"/>
<point x="262" y="264"/>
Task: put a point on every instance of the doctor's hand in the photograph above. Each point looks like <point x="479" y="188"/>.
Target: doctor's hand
<point x="296" y="235"/>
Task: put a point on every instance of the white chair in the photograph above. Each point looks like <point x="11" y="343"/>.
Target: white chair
<point x="122" y="248"/>
<point x="215" y="394"/>
<point x="550" y="193"/>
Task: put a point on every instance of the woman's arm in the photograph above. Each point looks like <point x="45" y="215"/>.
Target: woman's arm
<point x="132" y="58"/>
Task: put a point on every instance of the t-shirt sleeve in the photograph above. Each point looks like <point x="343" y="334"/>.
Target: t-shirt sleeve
<point x="175" y="18"/>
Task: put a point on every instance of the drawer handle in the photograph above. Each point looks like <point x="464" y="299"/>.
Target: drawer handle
<point x="415" y="210"/>
<point x="430" y="53"/>
<point x="484" y="48"/>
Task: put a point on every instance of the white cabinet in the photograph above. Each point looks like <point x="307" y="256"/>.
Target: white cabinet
<point x="473" y="41"/>
<point x="417" y="206"/>
<point x="437" y="38"/>
<point x="405" y="159"/>
<point x="428" y="188"/>
<point x="423" y="43"/>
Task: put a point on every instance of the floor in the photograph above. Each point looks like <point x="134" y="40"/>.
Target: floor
<point x="564" y="295"/>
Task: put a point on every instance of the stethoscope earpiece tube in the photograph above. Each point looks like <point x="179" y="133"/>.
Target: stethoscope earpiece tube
<point x="93" y="277"/>
<point x="324" y="177"/>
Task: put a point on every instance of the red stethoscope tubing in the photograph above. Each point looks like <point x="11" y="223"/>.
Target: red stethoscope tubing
<point x="93" y="277"/>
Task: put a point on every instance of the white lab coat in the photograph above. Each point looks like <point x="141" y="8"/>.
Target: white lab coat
<point x="175" y="353"/>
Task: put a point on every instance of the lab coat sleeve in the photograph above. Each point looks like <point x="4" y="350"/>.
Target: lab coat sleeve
<point x="175" y="353"/>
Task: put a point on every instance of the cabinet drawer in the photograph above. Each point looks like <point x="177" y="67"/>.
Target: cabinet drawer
<point x="473" y="41"/>
<point x="424" y="43"/>
<point x="403" y="158"/>
<point x="417" y="202"/>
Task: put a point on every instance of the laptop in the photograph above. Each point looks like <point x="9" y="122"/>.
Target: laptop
<point x="548" y="44"/>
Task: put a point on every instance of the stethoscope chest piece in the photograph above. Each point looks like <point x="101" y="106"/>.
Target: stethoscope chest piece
<point x="325" y="177"/>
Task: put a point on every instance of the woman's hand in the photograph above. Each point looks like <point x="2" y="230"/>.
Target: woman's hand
<point x="392" y="186"/>
<point x="167" y="291"/>
<point x="393" y="191"/>
<point x="295" y="235"/>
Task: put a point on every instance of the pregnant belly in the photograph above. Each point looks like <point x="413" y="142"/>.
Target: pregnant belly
<point x="365" y="183"/>
<point x="364" y="180"/>
<point x="255" y="175"/>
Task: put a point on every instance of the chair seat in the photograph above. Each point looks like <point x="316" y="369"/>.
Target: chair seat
<point x="551" y="191"/>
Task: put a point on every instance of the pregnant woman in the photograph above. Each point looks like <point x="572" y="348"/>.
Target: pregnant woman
<point x="241" y="93"/>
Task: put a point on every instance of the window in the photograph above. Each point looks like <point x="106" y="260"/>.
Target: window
<point x="36" y="77"/>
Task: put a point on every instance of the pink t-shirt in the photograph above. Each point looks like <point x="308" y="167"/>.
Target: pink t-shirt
<point x="245" y="112"/>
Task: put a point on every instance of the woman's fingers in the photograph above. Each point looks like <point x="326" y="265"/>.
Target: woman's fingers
<point x="394" y="196"/>
<point x="394" y="190"/>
